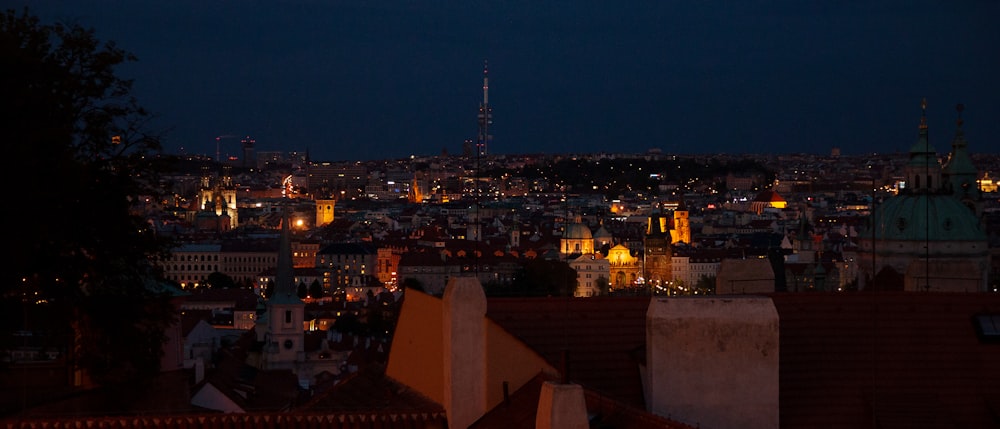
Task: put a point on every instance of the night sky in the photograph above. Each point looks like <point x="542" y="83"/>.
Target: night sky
<point x="359" y="80"/>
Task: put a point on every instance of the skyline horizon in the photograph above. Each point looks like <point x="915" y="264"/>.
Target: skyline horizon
<point x="390" y="80"/>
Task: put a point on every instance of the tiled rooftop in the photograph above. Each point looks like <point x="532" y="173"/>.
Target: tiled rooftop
<point x="518" y="411"/>
<point x="371" y="391"/>
<point x="603" y="337"/>
<point x="887" y="360"/>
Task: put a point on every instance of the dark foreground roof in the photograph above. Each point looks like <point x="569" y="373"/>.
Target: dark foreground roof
<point x="371" y="391"/>
<point x="603" y="338"/>
<point x="519" y="409"/>
<point x="887" y="360"/>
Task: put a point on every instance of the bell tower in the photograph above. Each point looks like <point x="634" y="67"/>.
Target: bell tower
<point x="656" y="251"/>
<point x="284" y="344"/>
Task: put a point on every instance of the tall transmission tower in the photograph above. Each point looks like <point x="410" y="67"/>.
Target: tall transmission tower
<point x="485" y="116"/>
<point x="218" y="145"/>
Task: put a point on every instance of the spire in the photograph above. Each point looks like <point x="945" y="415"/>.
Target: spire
<point x="681" y="205"/>
<point x="959" y="171"/>
<point x="923" y="172"/>
<point x="284" y="283"/>
<point x="923" y="145"/>
<point x="923" y="115"/>
<point x="958" y="144"/>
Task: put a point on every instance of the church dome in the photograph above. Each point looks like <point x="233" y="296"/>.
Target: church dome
<point x="603" y="234"/>
<point x="927" y="237"/>
<point x="577" y="231"/>
<point x="919" y="217"/>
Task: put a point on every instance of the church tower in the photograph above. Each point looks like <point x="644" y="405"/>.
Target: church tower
<point x="226" y="194"/>
<point x="959" y="174"/>
<point x="284" y="339"/>
<point x="515" y="234"/>
<point x="324" y="211"/>
<point x="923" y="172"/>
<point x="656" y="251"/>
<point x="681" y="233"/>
<point x="219" y="195"/>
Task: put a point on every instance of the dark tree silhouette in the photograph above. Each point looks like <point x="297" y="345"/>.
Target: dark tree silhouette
<point x="603" y="285"/>
<point x="218" y="280"/>
<point x="541" y="277"/>
<point x="412" y="283"/>
<point x="348" y="323"/>
<point x="705" y="285"/>
<point x="269" y="289"/>
<point x="302" y="291"/>
<point x="316" y="289"/>
<point x="86" y="260"/>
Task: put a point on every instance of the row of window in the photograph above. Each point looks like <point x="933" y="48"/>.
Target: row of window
<point x="190" y="268"/>
<point x="189" y="257"/>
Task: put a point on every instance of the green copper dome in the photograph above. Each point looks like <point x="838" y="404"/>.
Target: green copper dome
<point x="919" y="217"/>
<point x="577" y="231"/>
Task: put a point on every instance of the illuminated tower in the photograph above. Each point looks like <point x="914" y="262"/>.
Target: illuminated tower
<point x="219" y="195"/>
<point x="485" y="116"/>
<point x="324" y="211"/>
<point x="681" y="233"/>
<point x="656" y="251"/>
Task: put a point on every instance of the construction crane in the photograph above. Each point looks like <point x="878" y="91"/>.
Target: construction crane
<point x="218" y="144"/>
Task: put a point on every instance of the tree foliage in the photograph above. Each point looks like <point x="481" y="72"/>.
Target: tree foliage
<point x="705" y="285"/>
<point x="302" y="290"/>
<point x="218" y="280"/>
<point x="82" y="162"/>
<point x="315" y="289"/>
<point x="539" y="277"/>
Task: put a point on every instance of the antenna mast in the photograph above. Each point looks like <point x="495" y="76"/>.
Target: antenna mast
<point x="485" y="116"/>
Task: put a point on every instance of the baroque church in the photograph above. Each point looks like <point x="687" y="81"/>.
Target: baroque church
<point x="930" y="236"/>
<point x="620" y="267"/>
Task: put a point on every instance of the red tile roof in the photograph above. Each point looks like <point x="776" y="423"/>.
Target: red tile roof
<point x="887" y="360"/>
<point x="603" y="337"/>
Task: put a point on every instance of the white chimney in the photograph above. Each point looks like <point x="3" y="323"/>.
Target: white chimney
<point x="561" y="406"/>
<point x="464" y="351"/>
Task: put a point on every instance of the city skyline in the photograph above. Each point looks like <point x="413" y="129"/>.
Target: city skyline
<point x="388" y="80"/>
